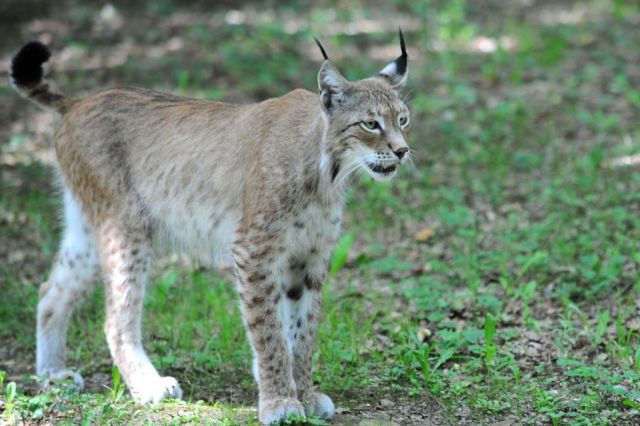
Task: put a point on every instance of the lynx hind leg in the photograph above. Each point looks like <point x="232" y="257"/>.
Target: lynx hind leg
<point x="126" y="257"/>
<point x="72" y="277"/>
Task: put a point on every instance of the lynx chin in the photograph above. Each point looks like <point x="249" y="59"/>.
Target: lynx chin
<point x="260" y="185"/>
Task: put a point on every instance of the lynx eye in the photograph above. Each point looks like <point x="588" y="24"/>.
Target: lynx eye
<point x="370" y="125"/>
<point x="403" y="121"/>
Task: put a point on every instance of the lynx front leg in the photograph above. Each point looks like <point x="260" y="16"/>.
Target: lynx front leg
<point x="301" y="322"/>
<point x="125" y="259"/>
<point x="260" y="300"/>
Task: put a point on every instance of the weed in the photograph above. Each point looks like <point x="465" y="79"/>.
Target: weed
<point x="116" y="392"/>
<point x="10" y="396"/>
<point x="490" y="347"/>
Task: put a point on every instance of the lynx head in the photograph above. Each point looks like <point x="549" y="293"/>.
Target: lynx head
<point x="368" y="119"/>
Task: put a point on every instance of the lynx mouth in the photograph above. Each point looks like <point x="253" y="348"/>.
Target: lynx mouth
<point x="378" y="168"/>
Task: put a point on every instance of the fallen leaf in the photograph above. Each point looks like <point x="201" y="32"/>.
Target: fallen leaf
<point x="424" y="334"/>
<point x="424" y="234"/>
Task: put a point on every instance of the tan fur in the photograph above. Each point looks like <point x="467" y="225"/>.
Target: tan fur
<point x="262" y="183"/>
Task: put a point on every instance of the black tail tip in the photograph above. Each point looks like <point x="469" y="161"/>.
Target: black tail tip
<point x="26" y="66"/>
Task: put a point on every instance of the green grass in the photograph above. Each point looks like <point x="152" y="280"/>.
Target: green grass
<point x="520" y="304"/>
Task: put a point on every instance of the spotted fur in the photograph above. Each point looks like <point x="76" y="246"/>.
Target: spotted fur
<point x="261" y="185"/>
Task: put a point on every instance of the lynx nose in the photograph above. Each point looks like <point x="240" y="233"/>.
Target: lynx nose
<point x="400" y="152"/>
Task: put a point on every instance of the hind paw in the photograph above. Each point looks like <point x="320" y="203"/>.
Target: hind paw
<point x="154" y="390"/>
<point x="50" y="377"/>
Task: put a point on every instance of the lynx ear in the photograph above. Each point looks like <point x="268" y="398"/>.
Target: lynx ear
<point x="331" y="86"/>
<point x="396" y="72"/>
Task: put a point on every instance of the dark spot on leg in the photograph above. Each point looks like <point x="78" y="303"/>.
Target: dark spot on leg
<point x="295" y="293"/>
<point x="46" y="317"/>
<point x="296" y="263"/>
<point x="312" y="284"/>
<point x="256" y="277"/>
<point x="256" y="322"/>
<point x="299" y="323"/>
<point x="257" y="300"/>
<point x="262" y="252"/>
<point x="298" y="224"/>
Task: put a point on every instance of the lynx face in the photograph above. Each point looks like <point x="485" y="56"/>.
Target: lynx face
<point x="369" y="118"/>
<point x="375" y="138"/>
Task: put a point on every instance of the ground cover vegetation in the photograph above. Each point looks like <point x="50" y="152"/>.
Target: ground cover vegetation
<point x="495" y="280"/>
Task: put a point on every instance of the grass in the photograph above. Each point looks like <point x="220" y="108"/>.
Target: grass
<point x="496" y="280"/>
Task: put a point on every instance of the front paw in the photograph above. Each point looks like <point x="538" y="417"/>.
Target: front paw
<point x="318" y="404"/>
<point x="156" y="389"/>
<point x="275" y="410"/>
<point x="60" y="375"/>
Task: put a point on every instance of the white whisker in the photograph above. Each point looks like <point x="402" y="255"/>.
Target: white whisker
<point x="349" y="169"/>
<point x="410" y="159"/>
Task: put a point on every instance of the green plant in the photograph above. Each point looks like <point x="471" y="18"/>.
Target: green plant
<point x="118" y="388"/>
<point x="340" y="254"/>
<point x="489" y="334"/>
<point x="10" y="396"/>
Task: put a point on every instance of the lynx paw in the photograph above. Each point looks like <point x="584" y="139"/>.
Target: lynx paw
<point x="156" y="389"/>
<point x="320" y="405"/>
<point x="274" y="410"/>
<point x="57" y="376"/>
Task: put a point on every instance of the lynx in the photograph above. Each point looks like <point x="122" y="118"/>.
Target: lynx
<point x="262" y="185"/>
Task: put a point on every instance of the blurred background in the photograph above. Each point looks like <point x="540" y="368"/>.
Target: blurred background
<point x="495" y="280"/>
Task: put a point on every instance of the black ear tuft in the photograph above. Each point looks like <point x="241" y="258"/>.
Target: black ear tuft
<point x="396" y="72"/>
<point x="401" y="62"/>
<point x="324" y="54"/>
<point x="26" y="65"/>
